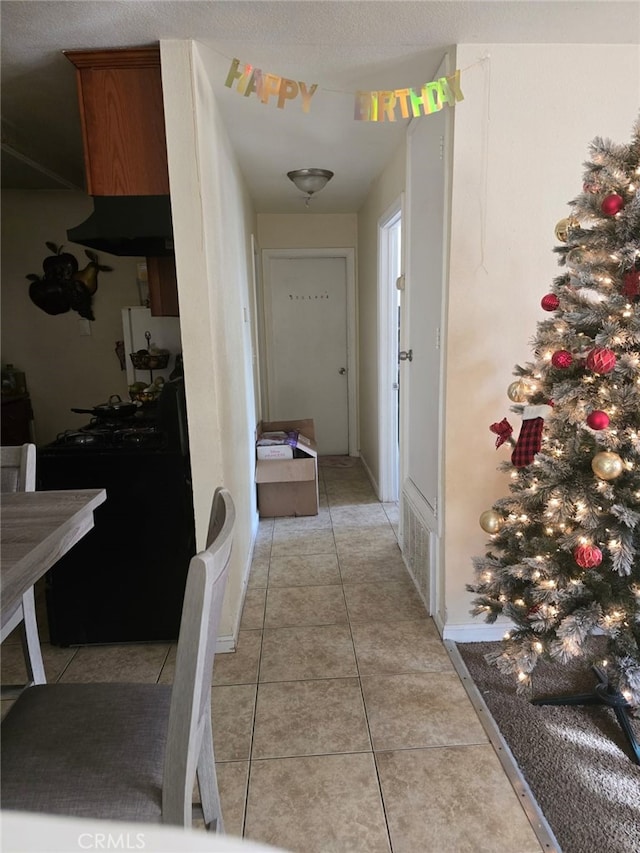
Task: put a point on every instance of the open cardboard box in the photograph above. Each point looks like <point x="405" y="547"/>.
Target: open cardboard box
<point x="289" y="486"/>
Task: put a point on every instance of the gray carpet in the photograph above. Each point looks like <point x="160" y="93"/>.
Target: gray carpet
<point x="575" y="759"/>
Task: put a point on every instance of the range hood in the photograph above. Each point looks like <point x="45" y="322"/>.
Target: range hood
<point x="138" y="226"/>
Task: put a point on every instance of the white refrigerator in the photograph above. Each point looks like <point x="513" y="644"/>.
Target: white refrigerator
<point x="165" y="334"/>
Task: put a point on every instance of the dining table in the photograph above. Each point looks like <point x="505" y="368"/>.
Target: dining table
<point x="36" y="530"/>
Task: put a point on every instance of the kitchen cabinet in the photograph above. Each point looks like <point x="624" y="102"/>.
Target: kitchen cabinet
<point x="122" y="118"/>
<point x="163" y="286"/>
<point x="16" y="421"/>
<point x="125" y="150"/>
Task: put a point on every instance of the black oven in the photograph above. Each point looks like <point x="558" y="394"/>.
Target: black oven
<point x="124" y="581"/>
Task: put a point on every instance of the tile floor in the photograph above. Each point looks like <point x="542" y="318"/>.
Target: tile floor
<point x="340" y="723"/>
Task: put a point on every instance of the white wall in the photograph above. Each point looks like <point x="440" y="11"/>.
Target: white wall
<point x="521" y="136"/>
<point x="385" y="190"/>
<point x="63" y="368"/>
<point x="213" y="221"/>
<point x="307" y="230"/>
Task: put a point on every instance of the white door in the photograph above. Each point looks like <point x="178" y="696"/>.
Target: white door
<point x="389" y="282"/>
<point x="422" y="309"/>
<point x="306" y="309"/>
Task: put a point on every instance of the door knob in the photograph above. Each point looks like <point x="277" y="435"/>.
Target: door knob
<point x="405" y="355"/>
<point x="342" y="371"/>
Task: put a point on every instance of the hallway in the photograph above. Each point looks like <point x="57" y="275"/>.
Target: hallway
<point x="340" y="723"/>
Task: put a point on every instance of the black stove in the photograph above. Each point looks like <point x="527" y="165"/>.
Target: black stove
<point x="124" y="581"/>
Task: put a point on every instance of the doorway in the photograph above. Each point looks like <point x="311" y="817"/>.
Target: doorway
<point x="389" y="294"/>
<point x="309" y="323"/>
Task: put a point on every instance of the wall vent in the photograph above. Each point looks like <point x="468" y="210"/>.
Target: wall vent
<point x="416" y="550"/>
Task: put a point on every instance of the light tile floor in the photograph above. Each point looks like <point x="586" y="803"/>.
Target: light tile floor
<point x="340" y="722"/>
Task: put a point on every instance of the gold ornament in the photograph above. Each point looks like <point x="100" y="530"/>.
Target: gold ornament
<point x="607" y="465"/>
<point x="564" y="226"/>
<point x="518" y="391"/>
<point x="491" y="521"/>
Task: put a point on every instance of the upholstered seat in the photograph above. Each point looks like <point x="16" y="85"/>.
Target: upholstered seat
<point x="129" y="751"/>
<point x="114" y="736"/>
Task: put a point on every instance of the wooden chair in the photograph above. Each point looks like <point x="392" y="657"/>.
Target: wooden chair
<point x="129" y="752"/>
<point x="18" y="474"/>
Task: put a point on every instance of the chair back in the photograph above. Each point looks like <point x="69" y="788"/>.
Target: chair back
<point x="18" y="468"/>
<point x="190" y="713"/>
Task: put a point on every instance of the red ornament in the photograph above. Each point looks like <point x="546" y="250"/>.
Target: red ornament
<point x="549" y="302"/>
<point x="562" y="359"/>
<point x="598" y="419"/>
<point x="587" y="556"/>
<point x="612" y="204"/>
<point x="601" y="360"/>
<point x="631" y="285"/>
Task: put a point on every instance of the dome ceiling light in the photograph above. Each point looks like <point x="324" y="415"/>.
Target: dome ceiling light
<point x="310" y="181"/>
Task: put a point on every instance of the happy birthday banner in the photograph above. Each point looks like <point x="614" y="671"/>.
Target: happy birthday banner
<point x="375" y="106"/>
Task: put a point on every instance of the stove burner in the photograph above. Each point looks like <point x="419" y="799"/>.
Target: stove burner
<point x="149" y="437"/>
<point x="99" y="436"/>
<point x="79" y="438"/>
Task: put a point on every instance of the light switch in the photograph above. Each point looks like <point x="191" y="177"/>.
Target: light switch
<point x="85" y="326"/>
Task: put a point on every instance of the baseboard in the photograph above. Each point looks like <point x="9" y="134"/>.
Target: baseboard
<point x="471" y="633"/>
<point x="225" y="644"/>
<point x="372" y="479"/>
<point x="439" y="622"/>
<point x="229" y="642"/>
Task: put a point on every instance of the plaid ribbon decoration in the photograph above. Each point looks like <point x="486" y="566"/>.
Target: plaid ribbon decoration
<point x="529" y="442"/>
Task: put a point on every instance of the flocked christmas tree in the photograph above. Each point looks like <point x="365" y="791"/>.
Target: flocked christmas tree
<point x="564" y="556"/>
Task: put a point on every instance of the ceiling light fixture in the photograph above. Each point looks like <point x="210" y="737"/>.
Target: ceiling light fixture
<point x="310" y="181"/>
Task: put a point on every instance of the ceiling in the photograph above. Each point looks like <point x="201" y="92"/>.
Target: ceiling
<point x="342" y="46"/>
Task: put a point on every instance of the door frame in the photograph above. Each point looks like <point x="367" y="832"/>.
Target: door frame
<point x="257" y="336"/>
<point x="348" y="254"/>
<point x="433" y="518"/>
<point x="388" y="345"/>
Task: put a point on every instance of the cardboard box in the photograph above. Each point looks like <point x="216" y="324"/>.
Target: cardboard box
<point x="288" y="486"/>
<point x="275" y="451"/>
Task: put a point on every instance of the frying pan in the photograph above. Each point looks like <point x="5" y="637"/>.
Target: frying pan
<point x="113" y="410"/>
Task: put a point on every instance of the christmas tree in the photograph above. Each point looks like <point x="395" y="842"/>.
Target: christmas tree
<point x="564" y="556"/>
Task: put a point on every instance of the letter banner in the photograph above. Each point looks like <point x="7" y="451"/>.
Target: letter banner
<point x="430" y="98"/>
<point x="380" y="106"/>
<point x="248" y="80"/>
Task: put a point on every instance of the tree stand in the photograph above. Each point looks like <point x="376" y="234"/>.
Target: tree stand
<point x="603" y="694"/>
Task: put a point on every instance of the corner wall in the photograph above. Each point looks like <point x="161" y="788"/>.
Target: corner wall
<point x="307" y="230"/>
<point x="521" y="136"/>
<point x="213" y="221"/>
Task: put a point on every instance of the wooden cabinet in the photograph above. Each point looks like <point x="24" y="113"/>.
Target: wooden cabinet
<point x="125" y="148"/>
<point x="163" y="286"/>
<point x="15" y="425"/>
<point x="122" y="117"/>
